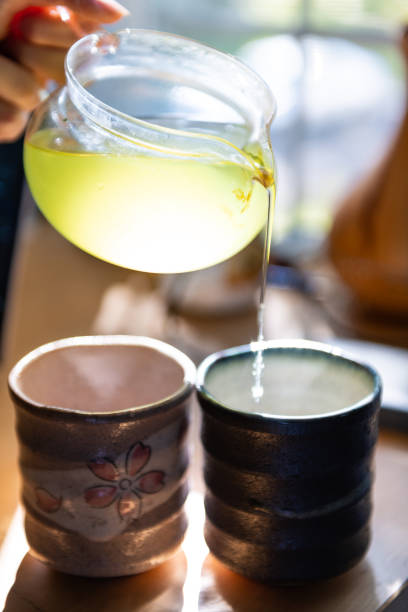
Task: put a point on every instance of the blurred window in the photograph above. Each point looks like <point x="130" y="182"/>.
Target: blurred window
<point x="336" y="72"/>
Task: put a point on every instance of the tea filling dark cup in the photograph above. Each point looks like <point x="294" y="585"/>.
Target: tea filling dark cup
<point x="288" y="477"/>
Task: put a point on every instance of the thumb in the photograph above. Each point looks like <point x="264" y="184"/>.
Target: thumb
<point x="98" y="11"/>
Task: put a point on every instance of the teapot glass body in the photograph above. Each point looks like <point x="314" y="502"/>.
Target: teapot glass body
<point x="156" y="154"/>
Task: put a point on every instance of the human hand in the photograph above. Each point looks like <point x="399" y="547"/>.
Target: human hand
<point x="34" y="41"/>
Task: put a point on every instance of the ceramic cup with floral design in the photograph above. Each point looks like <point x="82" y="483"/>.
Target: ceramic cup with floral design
<point x="102" y="423"/>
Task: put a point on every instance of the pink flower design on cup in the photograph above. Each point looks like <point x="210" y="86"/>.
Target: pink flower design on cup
<point x="129" y="484"/>
<point x="46" y="501"/>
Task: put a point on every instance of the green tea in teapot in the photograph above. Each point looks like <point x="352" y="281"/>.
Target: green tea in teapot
<point x="148" y="212"/>
<point x="155" y="156"/>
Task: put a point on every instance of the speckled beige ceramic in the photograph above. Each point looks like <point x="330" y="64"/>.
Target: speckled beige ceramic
<point x="102" y="423"/>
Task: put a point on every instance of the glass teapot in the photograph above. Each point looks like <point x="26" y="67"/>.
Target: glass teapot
<point x="156" y="155"/>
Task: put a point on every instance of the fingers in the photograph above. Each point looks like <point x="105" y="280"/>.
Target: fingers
<point x="40" y="55"/>
<point x="44" y="62"/>
<point x="12" y="121"/>
<point x="17" y="85"/>
<point x="49" y="30"/>
<point x="100" y="11"/>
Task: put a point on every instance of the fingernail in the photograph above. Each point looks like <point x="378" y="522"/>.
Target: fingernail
<point x="43" y="94"/>
<point x="87" y="27"/>
<point x="77" y="28"/>
<point x="113" y="7"/>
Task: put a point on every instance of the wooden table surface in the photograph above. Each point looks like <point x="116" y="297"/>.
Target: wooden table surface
<point x="59" y="291"/>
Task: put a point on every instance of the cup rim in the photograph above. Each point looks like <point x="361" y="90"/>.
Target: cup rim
<point x="300" y="345"/>
<point x="185" y="362"/>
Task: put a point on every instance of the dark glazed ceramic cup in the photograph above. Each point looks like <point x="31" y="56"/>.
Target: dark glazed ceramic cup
<point x="288" y="497"/>
<point x="102" y="423"/>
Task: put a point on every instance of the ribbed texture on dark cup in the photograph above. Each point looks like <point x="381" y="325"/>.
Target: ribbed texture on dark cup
<point x="288" y="500"/>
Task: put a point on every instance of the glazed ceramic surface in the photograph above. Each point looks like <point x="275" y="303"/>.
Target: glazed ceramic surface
<point x="104" y="482"/>
<point x="288" y="498"/>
